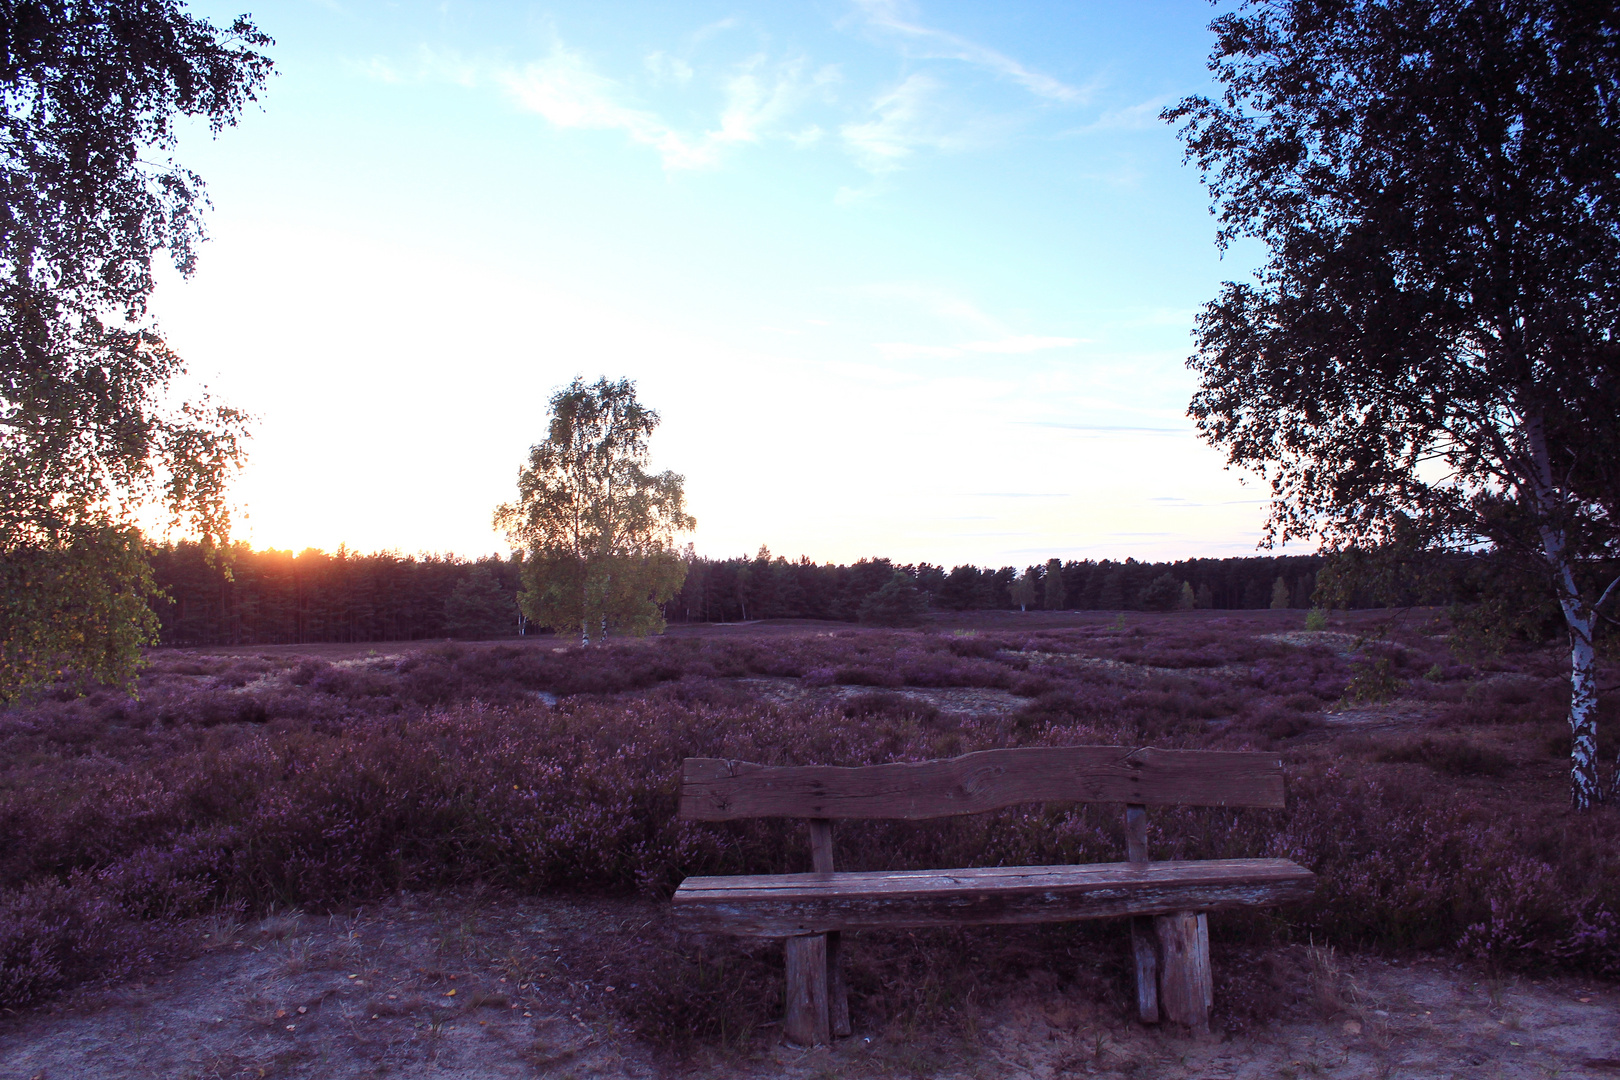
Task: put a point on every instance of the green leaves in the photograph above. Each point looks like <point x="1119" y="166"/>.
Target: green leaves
<point x="89" y="441"/>
<point x="598" y="529"/>
<point x="75" y="614"/>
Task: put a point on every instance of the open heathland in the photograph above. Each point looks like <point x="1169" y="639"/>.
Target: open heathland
<point x="269" y="829"/>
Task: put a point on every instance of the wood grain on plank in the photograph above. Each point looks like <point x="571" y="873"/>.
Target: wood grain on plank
<point x="714" y="789"/>
<point x="1186" y="984"/>
<point x="805" y="1020"/>
<point x="789" y="904"/>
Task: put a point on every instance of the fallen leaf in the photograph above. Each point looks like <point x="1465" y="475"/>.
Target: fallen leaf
<point x="449" y="993"/>
<point x="280" y="1013"/>
<point x="1352" y="1027"/>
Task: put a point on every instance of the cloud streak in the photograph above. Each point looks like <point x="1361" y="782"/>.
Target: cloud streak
<point x="929" y="43"/>
<point x="566" y="91"/>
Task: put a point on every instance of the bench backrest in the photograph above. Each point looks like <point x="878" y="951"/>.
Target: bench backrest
<point x="714" y="789"/>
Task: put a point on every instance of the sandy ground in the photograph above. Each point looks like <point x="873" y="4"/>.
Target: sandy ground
<point x="504" y="988"/>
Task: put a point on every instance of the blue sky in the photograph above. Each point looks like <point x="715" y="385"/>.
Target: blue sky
<point x="904" y="279"/>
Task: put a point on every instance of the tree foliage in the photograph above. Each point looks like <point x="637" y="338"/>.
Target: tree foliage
<point x="1025" y="590"/>
<point x="898" y="603"/>
<point x="90" y="95"/>
<point x="598" y="530"/>
<point x="1429" y="354"/>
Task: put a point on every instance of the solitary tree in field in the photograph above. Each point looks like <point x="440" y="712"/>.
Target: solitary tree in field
<point x="598" y="530"/>
<point x="1431" y="349"/>
<point x="91" y="93"/>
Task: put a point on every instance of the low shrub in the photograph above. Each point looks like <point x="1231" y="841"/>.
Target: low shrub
<point x="120" y="817"/>
<point x="1455" y="757"/>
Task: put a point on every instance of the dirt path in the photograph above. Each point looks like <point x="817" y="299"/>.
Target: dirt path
<point x="446" y="987"/>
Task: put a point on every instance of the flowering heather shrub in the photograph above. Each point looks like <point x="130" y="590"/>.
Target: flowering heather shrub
<point x="303" y="782"/>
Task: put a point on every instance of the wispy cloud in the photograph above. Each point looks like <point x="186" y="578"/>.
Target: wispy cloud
<point x="430" y="65"/>
<point x="905" y="119"/>
<point x="903" y="350"/>
<point x="1144" y="114"/>
<point x="759" y="99"/>
<point x="927" y="42"/>
<point x="1109" y="429"/>
<point x="569" y="93"/>
<point x="940" y="303"/>
<point x="1021" y="343"/>
<point x="668" y="69"/>
<point x="1014" y="345"/>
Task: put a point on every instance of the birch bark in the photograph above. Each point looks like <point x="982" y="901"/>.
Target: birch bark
<point x="1585" y="790"/>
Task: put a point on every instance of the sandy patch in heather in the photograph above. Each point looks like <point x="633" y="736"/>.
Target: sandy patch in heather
<point x="950" y="701"/>
<point x="506" y="988"/>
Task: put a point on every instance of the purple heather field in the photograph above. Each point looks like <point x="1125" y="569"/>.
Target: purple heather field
<point x="1426" y="787"/>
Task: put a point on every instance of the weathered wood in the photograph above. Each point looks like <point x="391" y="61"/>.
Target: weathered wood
<point x="806" y="1021"/>
<point x="713" y="789"/>
<point x="821" y="846"/>
<point x="1186" y="985"/>
<point x="1144" y="943"/>
<point x="784" y="905"/>
<point x="1145" y="959"/>
<point x="821" y="862"/>
<point x="1136" y="845"/>
<point x="837" y="990"/>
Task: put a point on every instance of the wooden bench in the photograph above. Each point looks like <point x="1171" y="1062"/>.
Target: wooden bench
<point x="1166" y="901"/>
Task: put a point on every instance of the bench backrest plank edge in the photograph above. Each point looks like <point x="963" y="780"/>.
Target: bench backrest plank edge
<point x="717" y="789"/>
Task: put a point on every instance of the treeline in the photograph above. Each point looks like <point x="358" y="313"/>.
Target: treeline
<point x="247" y="597"/>
<point x="733" y="590"/>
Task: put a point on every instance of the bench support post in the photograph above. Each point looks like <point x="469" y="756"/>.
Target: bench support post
<point x="1145" y="958"/>
<point x="1144" y="940"/>
<point x="821" y="861"/>
<point x="837" y="992"/>
<point x="806" y="1022"/>
<point x="1186" y="986"/>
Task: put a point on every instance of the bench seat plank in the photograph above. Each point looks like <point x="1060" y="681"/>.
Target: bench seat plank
<point x="787" y="905"/>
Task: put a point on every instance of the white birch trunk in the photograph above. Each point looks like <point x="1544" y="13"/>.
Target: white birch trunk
<point x="1585" y="791"/>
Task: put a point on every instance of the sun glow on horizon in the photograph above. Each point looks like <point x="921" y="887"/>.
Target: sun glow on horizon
<point x="914" y="284"/>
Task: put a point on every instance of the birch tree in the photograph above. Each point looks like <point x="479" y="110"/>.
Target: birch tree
<point x="93" y="94"/>
<point x="598" y="530"/>
<point x="1025" y="590"/>
<point x="1430" y="350"/>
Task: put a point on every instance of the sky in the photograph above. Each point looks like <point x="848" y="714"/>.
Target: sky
<point x="913" y="280"/>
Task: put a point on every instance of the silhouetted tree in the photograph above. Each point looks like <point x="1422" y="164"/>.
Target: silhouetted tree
<point x="1433" y="348"/>
<point x="1163" y="593"/>
<point x="1055" y="593"/>
<point x="480" y="607"/>
<point x="91" y="94"/>
<point x="898" y="603"/>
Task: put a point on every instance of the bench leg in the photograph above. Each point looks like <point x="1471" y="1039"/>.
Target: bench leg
<point x="806" y="1022"/>
<point x="837" y="992"/>
<point x="1145" y="954"/>
<point x="1186" y="987"/>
